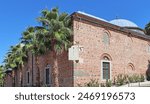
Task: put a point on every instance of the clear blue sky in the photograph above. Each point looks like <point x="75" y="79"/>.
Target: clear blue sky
<point x="17" y="15"/>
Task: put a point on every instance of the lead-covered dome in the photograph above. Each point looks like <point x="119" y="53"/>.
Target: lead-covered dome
<point x="123" y="23"/>
<point x="128" y="25"/>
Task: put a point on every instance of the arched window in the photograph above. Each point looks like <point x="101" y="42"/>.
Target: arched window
<point x="105" y="68"/>
<point x="28" y="77"/>
<point x="106" y="38"/>
<point x="48" y="75"/>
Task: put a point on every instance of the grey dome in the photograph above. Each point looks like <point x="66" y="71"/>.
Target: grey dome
<point x="123" y="23"/>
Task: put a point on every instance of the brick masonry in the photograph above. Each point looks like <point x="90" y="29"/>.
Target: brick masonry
<point x="128" y="55"/>
<point x="123" y="50"/>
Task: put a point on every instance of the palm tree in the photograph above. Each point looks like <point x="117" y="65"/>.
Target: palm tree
<point x="147" y="29"/>
<point x="58" y="33"/>
<point x="20" y="59"/>
<point x="9" y="63"/>
<point x="32" y="38"/>
<point x="16" y="58"/>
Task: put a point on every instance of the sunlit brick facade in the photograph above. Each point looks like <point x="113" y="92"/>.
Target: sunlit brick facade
<point x="106" y="51"/>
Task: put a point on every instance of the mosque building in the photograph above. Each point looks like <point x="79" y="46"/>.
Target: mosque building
<point x="105" y="50"/>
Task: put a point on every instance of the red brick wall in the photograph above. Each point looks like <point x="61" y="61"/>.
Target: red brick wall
<point x="122" y="49"/>
<point x="65" y="70"/>
<point x="8" y="81"/>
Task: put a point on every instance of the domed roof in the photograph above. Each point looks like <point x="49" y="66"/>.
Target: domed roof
<point x="123" y="23"/>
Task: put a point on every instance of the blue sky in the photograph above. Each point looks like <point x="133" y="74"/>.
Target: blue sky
<point x="17" y="15"/>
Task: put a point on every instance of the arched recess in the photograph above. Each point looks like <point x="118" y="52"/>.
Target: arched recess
<point x="106" y="37"/>
<point x="106" y="55"/>
<point x="107" y="31"/>
<point x="131" y="67"/>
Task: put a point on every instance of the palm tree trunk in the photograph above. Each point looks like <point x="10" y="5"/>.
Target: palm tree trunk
<point x="47" y="56"/>
<point x="16" y="77"/>
<point x="13" y="78"/>
<point x="21" y="77"/>
<point x="32" y="72"/>
<point x="55" y="70"/>
<point x="38" y="72"/>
